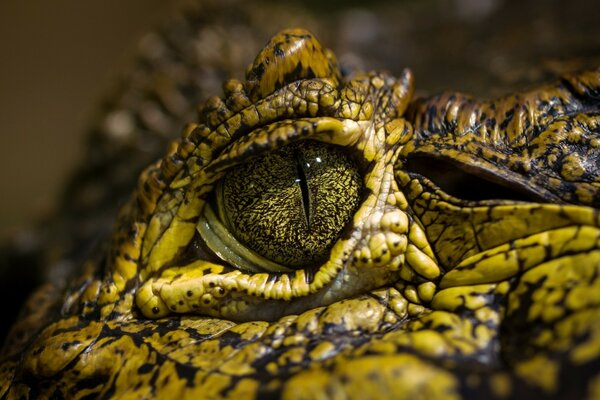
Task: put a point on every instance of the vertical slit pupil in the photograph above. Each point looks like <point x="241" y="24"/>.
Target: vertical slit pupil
<point x="303" y="182"/>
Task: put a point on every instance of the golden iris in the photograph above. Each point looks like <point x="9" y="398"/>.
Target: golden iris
<point x="291" y="205"/>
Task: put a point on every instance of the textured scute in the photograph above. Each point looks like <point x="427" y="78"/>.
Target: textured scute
<point x="421" y="295"/>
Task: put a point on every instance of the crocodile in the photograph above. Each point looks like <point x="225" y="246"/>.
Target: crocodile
<point x="285" y="247"/>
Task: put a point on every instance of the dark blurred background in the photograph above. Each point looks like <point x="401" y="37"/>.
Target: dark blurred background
<point x="57" y="59"/>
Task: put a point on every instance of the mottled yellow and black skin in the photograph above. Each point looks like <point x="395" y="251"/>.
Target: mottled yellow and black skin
<point x="544" y="141"/>
<point x="422" y="296"/>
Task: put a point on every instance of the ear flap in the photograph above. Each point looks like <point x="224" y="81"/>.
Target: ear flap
<point x="289" y="56"/>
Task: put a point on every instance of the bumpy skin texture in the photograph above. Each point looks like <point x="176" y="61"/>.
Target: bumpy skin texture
<point x="544" y="141"/>
<point x="423" y="296"/>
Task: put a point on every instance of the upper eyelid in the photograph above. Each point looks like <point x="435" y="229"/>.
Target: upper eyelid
<point x="281" y="133"/>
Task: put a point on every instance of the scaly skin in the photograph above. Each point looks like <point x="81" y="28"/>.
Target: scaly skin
<point x="422" y="296"/>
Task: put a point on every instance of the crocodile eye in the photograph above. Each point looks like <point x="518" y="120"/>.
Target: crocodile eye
<point x="288" y="206"/>
<point x="272" y="199"/>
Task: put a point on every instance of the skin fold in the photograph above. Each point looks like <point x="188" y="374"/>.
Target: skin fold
<point x="418" y="294"/>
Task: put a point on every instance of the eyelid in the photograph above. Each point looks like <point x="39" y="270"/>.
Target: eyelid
<point x="338" y="131"/>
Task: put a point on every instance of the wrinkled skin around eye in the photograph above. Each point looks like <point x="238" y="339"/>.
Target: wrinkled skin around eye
<point x="291" y="205"/>
<point x="368" y="241"/>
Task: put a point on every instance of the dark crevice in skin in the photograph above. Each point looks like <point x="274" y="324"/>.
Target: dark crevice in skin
<point x="462" y="184"/>
<point x="515" y="330"/>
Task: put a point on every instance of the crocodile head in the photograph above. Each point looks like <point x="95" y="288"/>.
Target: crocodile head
<point x="281" y="248"/>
